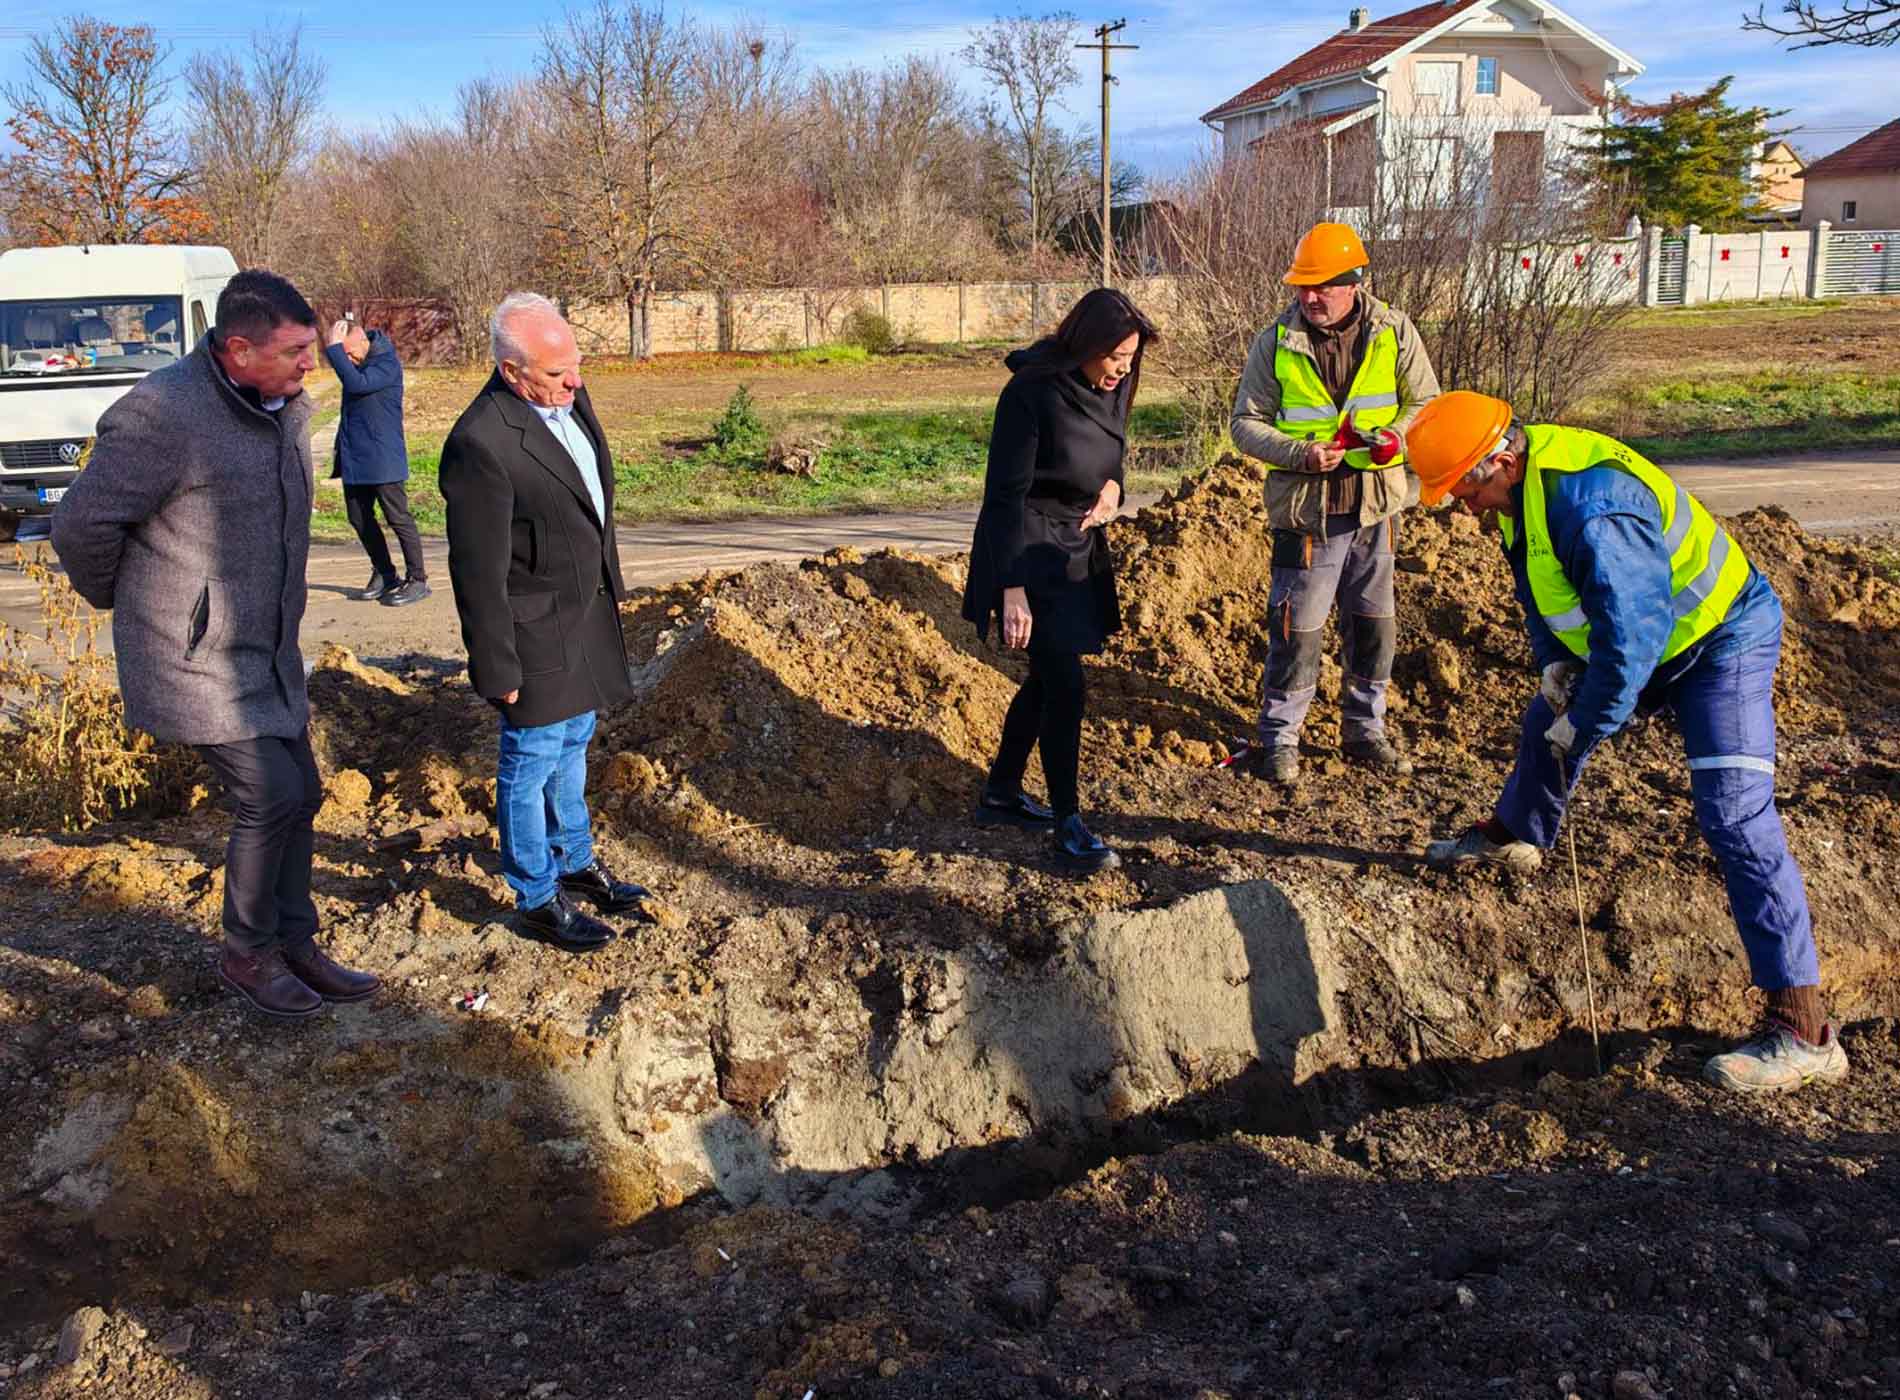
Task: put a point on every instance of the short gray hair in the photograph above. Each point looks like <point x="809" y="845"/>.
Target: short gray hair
<point x="503" y="344"/>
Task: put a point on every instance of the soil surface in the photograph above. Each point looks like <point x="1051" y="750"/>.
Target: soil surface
<point x="869" y="1102"/>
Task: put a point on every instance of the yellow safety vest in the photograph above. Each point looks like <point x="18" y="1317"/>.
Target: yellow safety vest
<point x="1707" y="569"/>
<point x="1308" y="411"/>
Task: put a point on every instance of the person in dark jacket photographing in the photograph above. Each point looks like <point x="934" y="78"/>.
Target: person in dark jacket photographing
<point x="373" y="460"/>
<point x="1040" y="558"/>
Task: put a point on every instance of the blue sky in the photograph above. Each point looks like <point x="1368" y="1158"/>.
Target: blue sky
<point x="401" y="60"/>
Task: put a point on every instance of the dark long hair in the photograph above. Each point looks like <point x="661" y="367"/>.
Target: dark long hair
<point x="1096" y="324"/>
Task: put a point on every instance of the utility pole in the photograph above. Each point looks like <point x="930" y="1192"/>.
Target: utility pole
<point x="1102" y="33"/>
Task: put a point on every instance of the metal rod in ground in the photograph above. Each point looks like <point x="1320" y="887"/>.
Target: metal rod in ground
<point x="1583" y="944"/>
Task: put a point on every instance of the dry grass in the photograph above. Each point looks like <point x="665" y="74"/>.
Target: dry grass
<point x="66" y="758"/>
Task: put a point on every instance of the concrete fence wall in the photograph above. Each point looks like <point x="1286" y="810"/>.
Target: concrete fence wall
<point x="799" y="318"/>
<point x="1764" y="266"/>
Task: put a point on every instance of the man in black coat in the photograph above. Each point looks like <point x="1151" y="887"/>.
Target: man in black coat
<point x="529" y="485"/>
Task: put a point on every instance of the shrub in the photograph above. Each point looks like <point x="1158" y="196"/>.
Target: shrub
<point x="869" y="331"/>
<point x="66" y="758"/>
<point x="739" y="434"/>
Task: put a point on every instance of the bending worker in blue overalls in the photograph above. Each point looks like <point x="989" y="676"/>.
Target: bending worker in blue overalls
<point x="1636" y="599"/>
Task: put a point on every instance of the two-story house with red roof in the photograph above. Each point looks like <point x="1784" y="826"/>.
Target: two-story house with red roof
<point x="1510" y="78"/>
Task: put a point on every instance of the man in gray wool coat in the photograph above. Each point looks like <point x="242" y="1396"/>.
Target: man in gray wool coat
<point x="192" y="524"/>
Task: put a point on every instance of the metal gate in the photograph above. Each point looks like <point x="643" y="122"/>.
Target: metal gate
<point x="1672" y="271"/>
<point x="1863" y="260"/>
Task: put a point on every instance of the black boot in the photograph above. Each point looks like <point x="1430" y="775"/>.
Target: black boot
<point x="1080" y="850"/>
<point x="1016" y="808"/>
<point x="567" y="928"/>
<point x="607" y="894"/>
<point x="376" y="587"/>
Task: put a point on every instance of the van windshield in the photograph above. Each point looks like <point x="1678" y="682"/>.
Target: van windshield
<point x="90" y="335"/>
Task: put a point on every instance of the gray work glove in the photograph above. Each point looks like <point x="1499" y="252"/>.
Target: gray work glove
<point x="1562" y="738"/>
<point x="1559" y="686"/>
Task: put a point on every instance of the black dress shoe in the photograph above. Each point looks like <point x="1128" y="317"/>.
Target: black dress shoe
<point x="607" y="894"/>
<point x="1080" y="850"/>
<point x="1012" y="809"/>
<point x="376" y="587"/>
<point x="566" y="927"/>
<point x="409" y="591"/>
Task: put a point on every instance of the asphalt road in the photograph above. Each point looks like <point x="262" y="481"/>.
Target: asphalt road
<point x="1855" y="493"/>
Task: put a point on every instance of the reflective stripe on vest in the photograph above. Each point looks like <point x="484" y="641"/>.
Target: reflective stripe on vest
<point x="1707" y="569"/>
<point x="1307" y="411"/>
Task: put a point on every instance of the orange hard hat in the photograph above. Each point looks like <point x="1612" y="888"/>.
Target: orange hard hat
<point x="1327" y="251"/>
<point x="1451" y="435"/>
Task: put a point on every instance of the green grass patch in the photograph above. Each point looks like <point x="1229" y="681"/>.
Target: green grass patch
<point x="820" y="355"/>
<point x="1749" y="414"/>
<point x="678" y="465"/>
<point x="331" y="523"/>
<point x="874" y="460"/>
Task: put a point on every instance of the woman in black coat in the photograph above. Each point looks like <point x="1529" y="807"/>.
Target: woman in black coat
<point x="1040" y="559"/>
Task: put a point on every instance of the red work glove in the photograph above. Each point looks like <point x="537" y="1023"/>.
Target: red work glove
<point x="1386" y="446"/>
<point x="1347" y="438"/>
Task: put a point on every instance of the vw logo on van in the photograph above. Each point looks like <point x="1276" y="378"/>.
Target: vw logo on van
<point x="69" y="452"/>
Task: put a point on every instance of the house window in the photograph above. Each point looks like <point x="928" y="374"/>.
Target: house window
<point x="1517" y="166"/>
<point x="1487" y="77"/>
<point x="1354" y="154"/>
<point x="1849" y="208"/>
<point x="1435" y="88"/>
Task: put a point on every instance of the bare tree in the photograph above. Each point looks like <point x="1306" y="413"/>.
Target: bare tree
<point x="870" y="134"/>
<point x="1870" y="24"/>
<point x="614" y="163"/>
<point x="1481" y="235"/>
<point x="1231" y="227"/>
<point x="340" y="227"/>
<point x="1031" y="63"/>
<point x="253" y="120"/>
<point x="97" y="162"/>
<point x="752" y="217"/>
<point x="462" y="225"/>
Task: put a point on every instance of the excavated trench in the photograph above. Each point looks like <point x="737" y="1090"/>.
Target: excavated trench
<point x="880" y="1089"/>
<point x="383" y="1142"/>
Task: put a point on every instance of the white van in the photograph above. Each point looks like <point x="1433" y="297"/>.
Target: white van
<point x="78" y="327"/>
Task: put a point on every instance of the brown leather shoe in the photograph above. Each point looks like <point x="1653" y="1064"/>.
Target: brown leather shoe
<point x="328" y="978"/>
<point x="267" y="983"/>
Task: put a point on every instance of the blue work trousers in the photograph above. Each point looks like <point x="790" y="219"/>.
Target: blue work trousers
<point x="1724" y="706"/>
<point x="541" y="805"/>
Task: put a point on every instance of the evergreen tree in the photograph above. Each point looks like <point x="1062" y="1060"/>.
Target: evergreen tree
<point x="1684" y="161"/>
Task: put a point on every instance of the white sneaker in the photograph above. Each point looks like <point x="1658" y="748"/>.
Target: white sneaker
<point x="1474" y="848"/>
<point x="1777" y="1060"/>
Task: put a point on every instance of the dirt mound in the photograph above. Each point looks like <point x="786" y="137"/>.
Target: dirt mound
<point x="1196" y="571"/>
<point x="828" y="700"/>
<point x="393" y="748"/>
<point x="818" y="701"/>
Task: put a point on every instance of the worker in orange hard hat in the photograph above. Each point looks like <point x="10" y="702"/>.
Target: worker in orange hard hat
<point x="1637" y="600"/>
<point x="1324" y="401"/>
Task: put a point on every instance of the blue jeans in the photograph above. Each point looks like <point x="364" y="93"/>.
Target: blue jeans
<point x="1724" y="706"/>
<point x="541" y="805"/>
